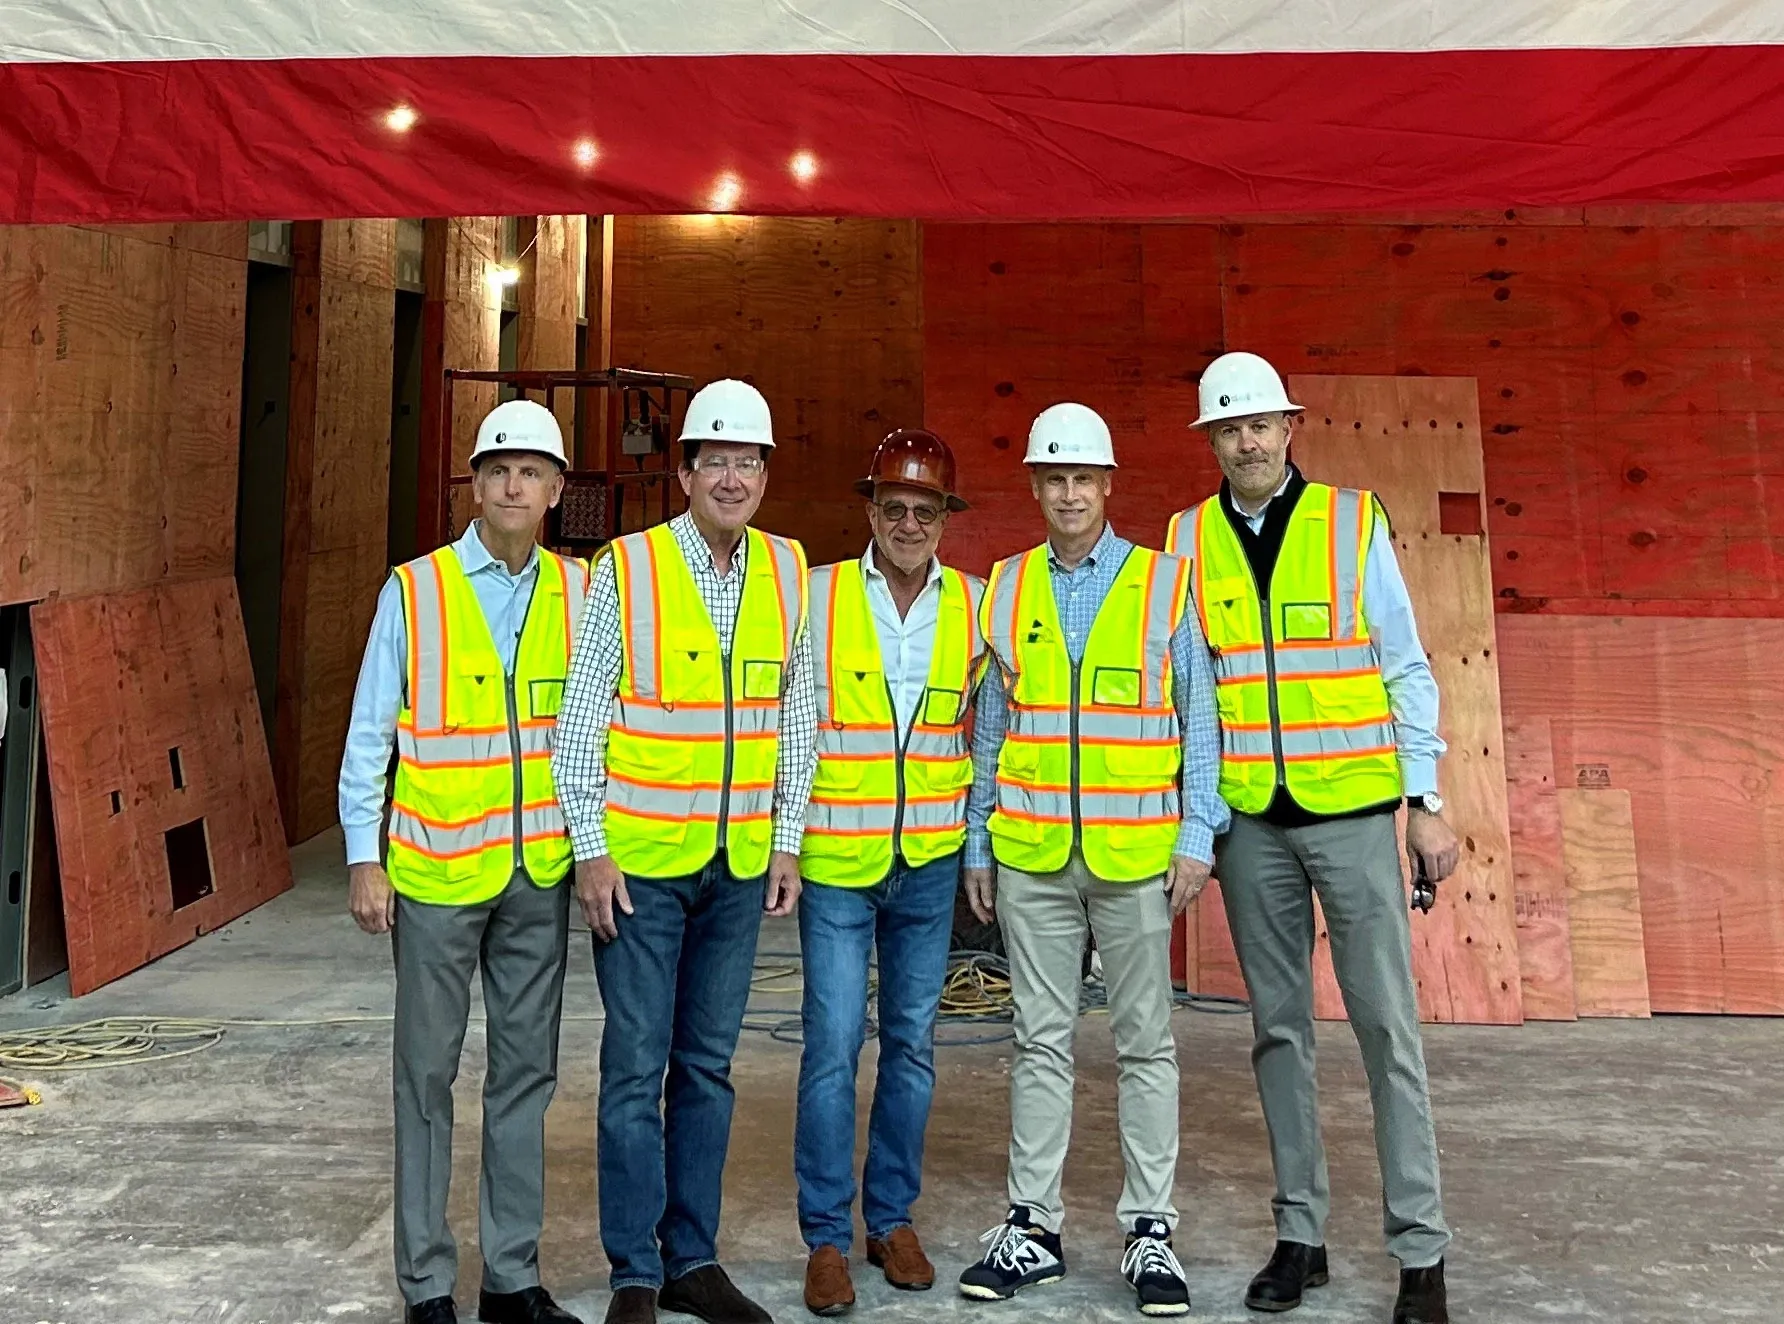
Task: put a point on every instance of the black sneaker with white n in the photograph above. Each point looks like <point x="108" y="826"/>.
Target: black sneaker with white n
<point x="1017" y="1254"/>
<point x="1151" y="1266"/>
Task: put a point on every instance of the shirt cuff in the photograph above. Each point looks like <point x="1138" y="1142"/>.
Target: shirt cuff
<point x="362" y="845"/>
<point x="1196" y="840"/>
<point x="789" y="835"/>
<point x="589" y="843"/>
<point x="978" y="849"/>
<point x="1418" y="775"/>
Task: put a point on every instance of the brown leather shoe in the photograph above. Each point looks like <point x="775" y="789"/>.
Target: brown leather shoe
<point x="632" y="1305"/>
<point x="901" y="1256"/>
<point x="828" y="1290"/>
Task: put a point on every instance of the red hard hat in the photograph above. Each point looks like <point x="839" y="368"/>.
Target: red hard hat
<point x="913" y="457"/>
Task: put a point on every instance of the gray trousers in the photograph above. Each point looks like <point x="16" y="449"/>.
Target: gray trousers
<point x="518" y="941"/>
<point x="1267" y="876"/>
<point x="1044" y="918"/>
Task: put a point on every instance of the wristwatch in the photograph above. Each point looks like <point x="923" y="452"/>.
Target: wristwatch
<point x="1431" y="804"/>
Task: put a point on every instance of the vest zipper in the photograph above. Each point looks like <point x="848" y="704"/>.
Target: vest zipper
<point x="1270" y="681"/>
<point x="901" y="742"/>
<point x="730" y="750"/>
<point x="515" y="759"/>
<point x="1077" y="809"/>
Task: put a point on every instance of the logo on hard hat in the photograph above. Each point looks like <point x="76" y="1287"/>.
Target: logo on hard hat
<point x="1053" y="448"/>
<point x="501" y="437"/>
<point x="1225" y="400"/>
<point x="718" y="425"/>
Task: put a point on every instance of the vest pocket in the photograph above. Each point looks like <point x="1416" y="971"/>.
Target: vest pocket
<point x="941" y="708"/>
<point x="1142" y="766"/>
<point x="761" y="680"/>
<point x="545" y="697"/>
<point x="1115" y="687"/>
<point x="1306" y="621"/>
<point x="634" y="766"/>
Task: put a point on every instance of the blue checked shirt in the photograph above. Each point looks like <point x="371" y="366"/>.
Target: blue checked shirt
<point x="1079" y="594"/>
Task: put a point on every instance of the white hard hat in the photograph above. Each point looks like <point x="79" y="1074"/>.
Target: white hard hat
<point x="520" y="425"/>
<point x="1239" y="385"/>
<point x="1070" y="434"/>
<point x="728" y="410"/>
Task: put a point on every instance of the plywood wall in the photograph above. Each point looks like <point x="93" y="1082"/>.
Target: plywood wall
<point x="337" y="496"/>
<point x="120" y="399"/>
<point x="824" y="316"/>
<point x="545" y="327"/>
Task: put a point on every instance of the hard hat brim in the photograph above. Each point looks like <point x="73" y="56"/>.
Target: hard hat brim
<point x="480" y="456"/>
<point x="1286" y="407"/>
<point x="864" y="486"/>
<point x="1057" y="463"/>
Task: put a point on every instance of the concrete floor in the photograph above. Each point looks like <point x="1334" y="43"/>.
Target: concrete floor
<point x="1600" y="1171"/>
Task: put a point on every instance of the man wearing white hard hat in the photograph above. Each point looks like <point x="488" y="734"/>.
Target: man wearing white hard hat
<point x="1329" y="714"/>
<point x="1094" y="810"/>
<point x="463" y="675"/>
<point x="684" y="756"/>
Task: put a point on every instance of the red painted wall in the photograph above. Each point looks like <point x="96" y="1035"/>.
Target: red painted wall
<point x="1631" y="378"/>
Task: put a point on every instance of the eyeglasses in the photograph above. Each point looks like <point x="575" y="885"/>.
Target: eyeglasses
<point x="895" y="511"/>
<point x="744" y="466"/>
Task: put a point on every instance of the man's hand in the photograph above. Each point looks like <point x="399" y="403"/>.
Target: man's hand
<point x="600" y="886"/>
<point x="1184" y="880"/>
<point x="371" y="898"/>
<point x="1429" y="838"/>
<point x="981" y="893"/>
<point x="783" y="885"/>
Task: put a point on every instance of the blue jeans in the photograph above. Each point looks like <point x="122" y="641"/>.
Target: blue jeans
<point x="674" y="984"/>
<point x="911" y="917"/>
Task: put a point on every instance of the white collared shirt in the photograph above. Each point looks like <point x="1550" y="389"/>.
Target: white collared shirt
<point x="906" y="642"/>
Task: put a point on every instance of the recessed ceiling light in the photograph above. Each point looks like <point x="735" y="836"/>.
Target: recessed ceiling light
<point x="401" y="118"/>
<point x="804" y="167"/>
<point x="586" y="153"/>
<point x="727" y="192"/>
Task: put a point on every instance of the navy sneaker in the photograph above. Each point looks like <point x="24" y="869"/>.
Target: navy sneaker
<point x="1017" y="1254"/>
<point x="1151" y="1268"/>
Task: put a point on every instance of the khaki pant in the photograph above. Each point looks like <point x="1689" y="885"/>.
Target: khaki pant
<point x="1267" y="877"/>
<point x="1044" y="918"/>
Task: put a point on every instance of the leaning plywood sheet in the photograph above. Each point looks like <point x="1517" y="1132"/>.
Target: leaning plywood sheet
<point x="165" y="817"/>
<point x="1682" y="714"/>
<point x="1545" y="951"/>
<point x="1415" y="442"/>
<point x="1604" y="903"/>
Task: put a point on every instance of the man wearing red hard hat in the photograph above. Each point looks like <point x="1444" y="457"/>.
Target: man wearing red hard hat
<point x="896" y="648"/>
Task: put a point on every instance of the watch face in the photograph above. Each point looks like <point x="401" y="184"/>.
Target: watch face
<point x="1431" y="804"/>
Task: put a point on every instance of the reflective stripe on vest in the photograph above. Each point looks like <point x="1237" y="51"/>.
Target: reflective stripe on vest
<point x="1324" y="728"/>
<point x="1094" y="751"/>
<point x="869" y="797"/>
<point x="473" y="798"/>
<point x="695" y="731"/>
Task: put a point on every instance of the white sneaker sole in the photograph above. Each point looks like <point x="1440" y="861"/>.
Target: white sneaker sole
<point x="1156" y="1310"/>
<point x="976" y="1293"/>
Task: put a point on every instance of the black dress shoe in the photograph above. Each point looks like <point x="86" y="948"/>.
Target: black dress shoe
<point x="1423" y="1297"/>
<point x="530" y="1305"/>
<point x="709" y="1294"/>
<point x="633" y="1305"/>
<point x="434" y="1310"/>
<point x="1293" y="1268"/>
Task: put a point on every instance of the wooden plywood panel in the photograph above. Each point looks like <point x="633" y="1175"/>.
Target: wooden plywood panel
<point x="1604" y="902"/>
<point x="1681" y="714"/>
<point x="1545" y="945"/>
<point x="1408" y="439"/>
<point x="545" y="333"/>
<point x="1217" y="964"/>
<point x="1119" y="317"/>
<point x="120" y="371"/>
<point x="822" y="316"/>
<point x="350" y="490"/>
<point x="128" y="679"/>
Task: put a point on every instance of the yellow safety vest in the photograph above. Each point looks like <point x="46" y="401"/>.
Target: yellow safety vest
<point x="474" y="743"/>
<point x="1094" y="749"/>
<point x="1301" y="698"/>
<point x="695" y="731"/>
<point x="874" y="795"/>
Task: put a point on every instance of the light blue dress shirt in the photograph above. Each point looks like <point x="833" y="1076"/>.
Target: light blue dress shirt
<point x="1078" y="593"/>
<point x="1405" y="671"/>
<point x="371" y="733"/>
